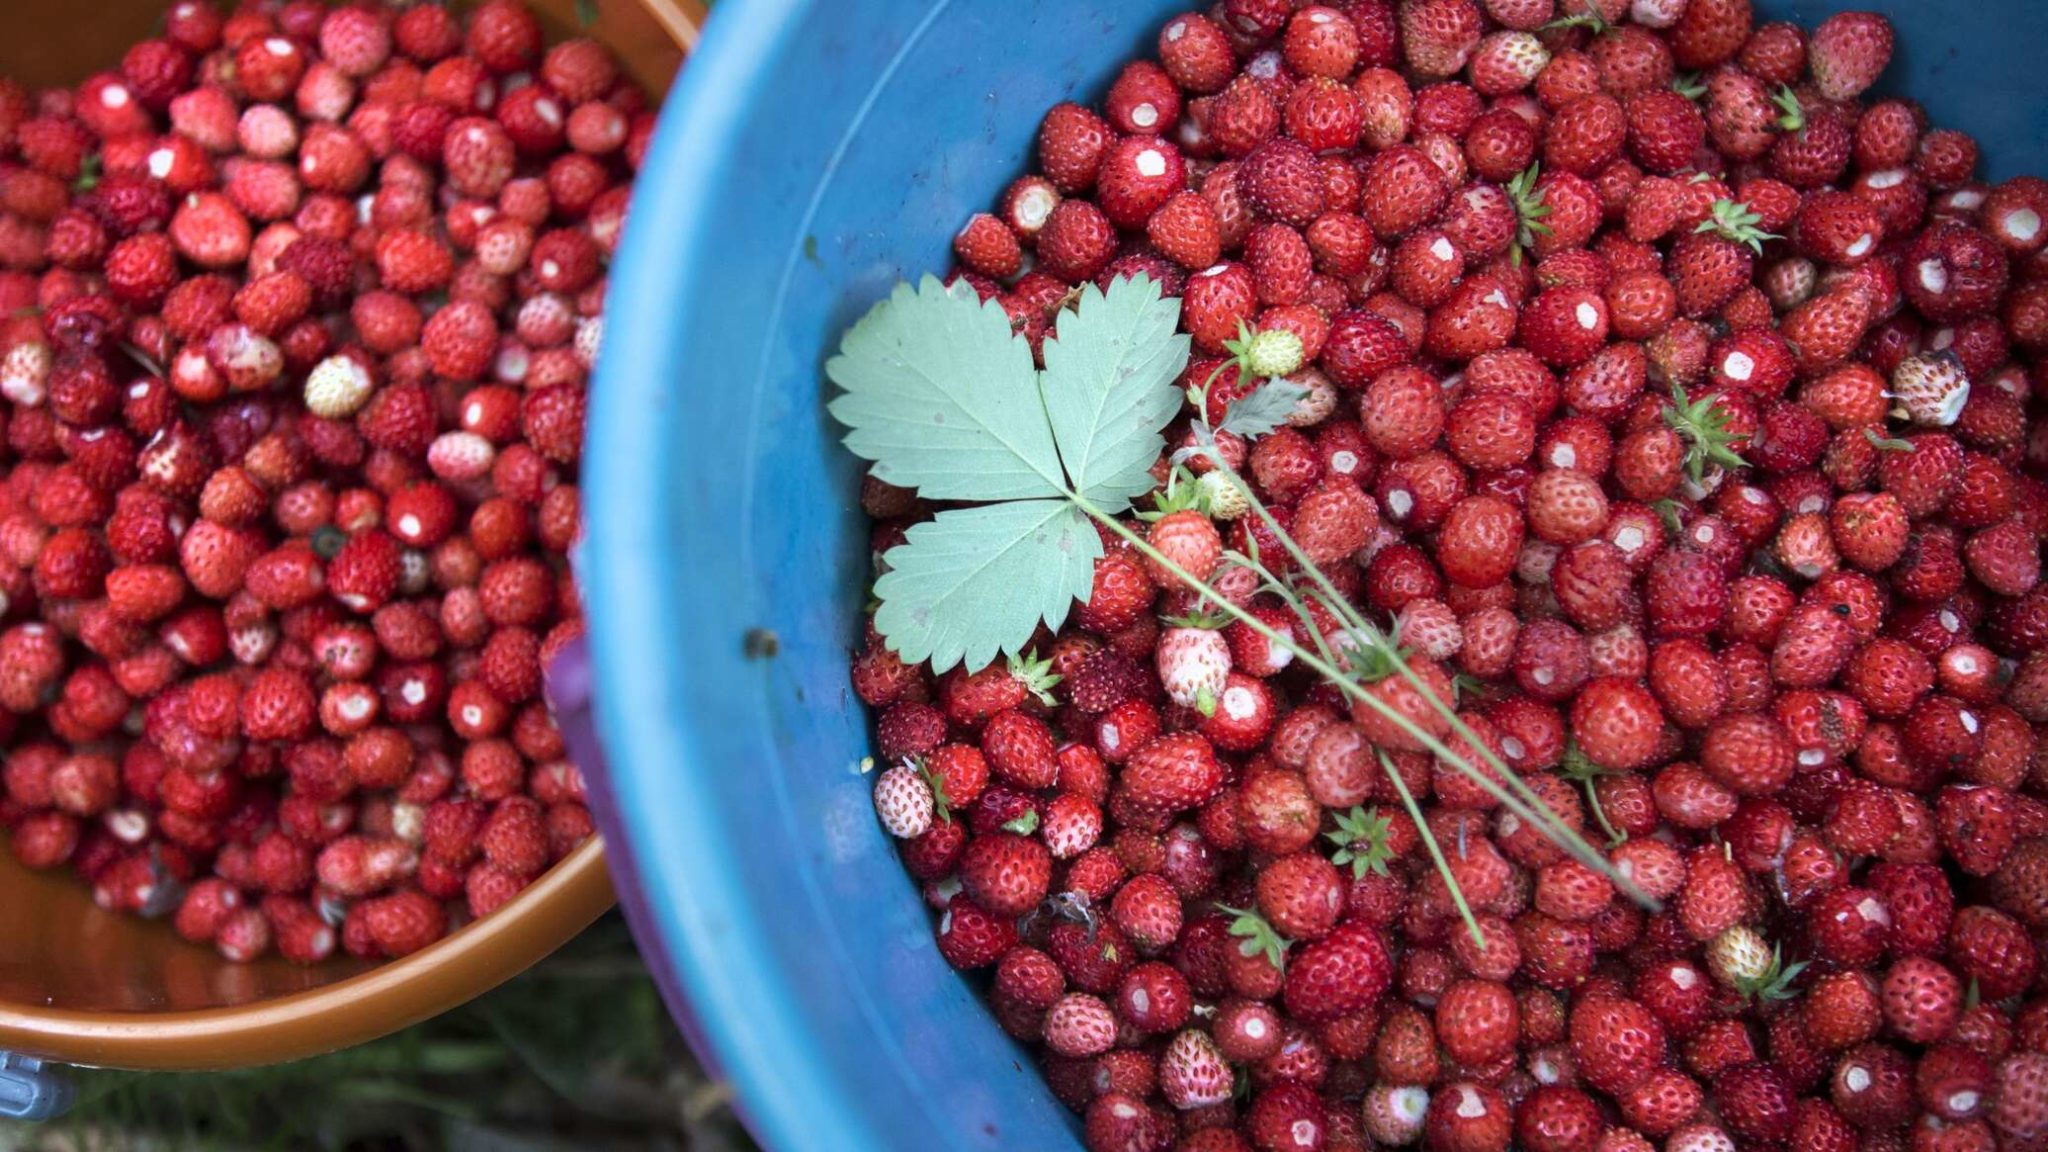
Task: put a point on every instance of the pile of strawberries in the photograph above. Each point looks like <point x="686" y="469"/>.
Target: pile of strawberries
<point x="297" y="311"/>
<point x="1677" y="402"/>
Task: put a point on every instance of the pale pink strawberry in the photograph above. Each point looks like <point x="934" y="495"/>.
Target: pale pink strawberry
<point x="903" y="800"/>
<point x="1193" y="1072"/>
<point x="1193" y="661"/>
<point x="1932" y="387"/>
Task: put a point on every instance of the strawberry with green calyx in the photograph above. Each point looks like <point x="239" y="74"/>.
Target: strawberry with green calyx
<point x="1735" y="221"/>
<point x="1194" y="661"/>
<point x="1703" y="425"/>
<point x="1225" y="500"/>
<point x="1263" y="353"/>
<point x="1740" y="959"/>
<point x="905" y="801"/>
<point x="1181" y="493"/>
<point x="1265" y="401"/>
<point x="1256" y="937"/>
<point x="1362" y="840"/>
<point x="1527" y="200"/>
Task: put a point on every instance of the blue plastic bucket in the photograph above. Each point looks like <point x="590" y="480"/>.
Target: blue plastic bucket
<point x="830" y="149"/>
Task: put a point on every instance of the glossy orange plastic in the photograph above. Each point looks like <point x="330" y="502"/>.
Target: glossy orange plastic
<point x="88" y="987"/>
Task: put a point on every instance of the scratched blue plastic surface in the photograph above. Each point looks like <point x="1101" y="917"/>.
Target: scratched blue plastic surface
<point x="813" y="154"/>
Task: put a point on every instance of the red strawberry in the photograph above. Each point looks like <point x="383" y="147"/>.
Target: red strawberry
<point x="1617" y="724"/>
<point x="1586" y="135"/>
<point x="1665" y="131"/>
<point x="1406" y="191"/>
<point x="1172" y="773"/>
<point x="1847" y="53"/>
<point x="1826" y="330"/>
<point x="1342" y="973"/>
<point x="1438" y="36"/>
<point x="1615" y="1042"/>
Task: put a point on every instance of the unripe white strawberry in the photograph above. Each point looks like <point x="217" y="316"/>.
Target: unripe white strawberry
<point x="458" y="456"/>
<point x="1273" y="352"/>
<point x="1932" y="387"/>
<point x="337" y="387"/>
<point x="25" y="374"/>
<point x="1193" y="1072"/>
<point x="589" y="339"/>
<point x="1739" y="957"/>
<point x="904" y="802"/>
<point x="1700" y="1138"/>
<point x="1393" y="1115"/>
<point x="1656" y="13"/>
<point x="1193" y="663"/>
<point x="1431" y="628"/>
<point x="1223" y="498"/>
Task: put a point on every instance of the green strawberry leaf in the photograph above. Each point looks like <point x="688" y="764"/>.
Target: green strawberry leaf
<point x="1108" y="386"/>
<point x="975" y="582"/>
<point x="942" y="397"/>
<point x="1263" y="409"/>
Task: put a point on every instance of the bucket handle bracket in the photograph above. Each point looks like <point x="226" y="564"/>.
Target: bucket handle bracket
<point x="31" y="1089"/>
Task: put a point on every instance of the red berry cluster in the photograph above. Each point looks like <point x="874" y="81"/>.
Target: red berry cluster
<point x="301" y="304"/>
<point x="1681" y="404"/>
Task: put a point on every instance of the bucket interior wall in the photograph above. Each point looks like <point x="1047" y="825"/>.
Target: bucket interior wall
<point x="832" y="149"/>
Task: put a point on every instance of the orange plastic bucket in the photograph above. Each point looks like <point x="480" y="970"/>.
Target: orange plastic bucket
<point x="85" y="986"/>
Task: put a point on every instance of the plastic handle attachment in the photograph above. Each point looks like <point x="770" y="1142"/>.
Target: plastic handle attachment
<point x="30" y="1090"/>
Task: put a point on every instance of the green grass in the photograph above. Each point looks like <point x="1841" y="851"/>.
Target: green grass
<point x="576" y="1054"/>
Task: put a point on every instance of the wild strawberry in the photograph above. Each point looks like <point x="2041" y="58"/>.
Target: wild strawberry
<point x="1407" y="190"/>
<point x="1617" y="724"/>
<point x="404" y="922"/>
<point x="1344" y="972"/>
<point x="1848" y="52"/>
<point x="1438" y="36"/>
<point x="1172" y="773"/>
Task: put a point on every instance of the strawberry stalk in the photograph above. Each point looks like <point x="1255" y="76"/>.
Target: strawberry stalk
<point x="1530" y="807"/>
<point x="1535" y="810"/>
<point x="1554" y="828"/>
<point x="1436" y="852"/>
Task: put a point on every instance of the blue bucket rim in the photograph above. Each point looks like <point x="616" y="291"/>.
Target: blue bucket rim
<point x="756" y="1040"/>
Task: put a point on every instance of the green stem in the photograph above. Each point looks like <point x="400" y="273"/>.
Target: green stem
<point x="1546" y="820"/>
<point x="1614" y="838"/>
<point x="1567" y="839"/>
<point x="1436" y="853"/>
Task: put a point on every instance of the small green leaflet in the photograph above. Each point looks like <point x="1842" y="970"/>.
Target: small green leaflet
<point x="1111" y="370"/>
<point x="1263" y="409"/>
<point x="974" y="582"/>
<point x="942" y="397"/>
